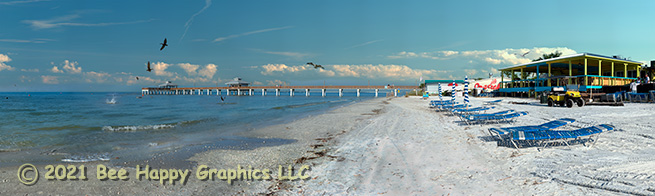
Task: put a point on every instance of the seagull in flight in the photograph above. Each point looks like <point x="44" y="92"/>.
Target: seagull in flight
<point x="163" y="45"/>
<point x="316" y="66"/>
<point x="137" y="78"/>
<point x="222" y="99"/>
<point x="522" y="55"/>
<point x="148" y="67"/>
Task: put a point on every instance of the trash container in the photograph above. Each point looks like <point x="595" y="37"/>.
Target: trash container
<point x="543" y="98"/>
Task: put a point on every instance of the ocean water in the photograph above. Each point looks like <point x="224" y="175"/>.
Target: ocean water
<point x="119" y="127"/>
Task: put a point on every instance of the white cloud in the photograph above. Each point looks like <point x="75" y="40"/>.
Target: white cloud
<point x="471" y="72"/>
<point x="160" y="69"/>
<point x="29" y="70"/>
<point x="56" y="70"/>
<point x="50" y="79"/>
<point x="271" y="69"/>
<point x="396" y="72"/>
<point x="276" y="82"/>
<point x="507" y="56"/>
<point x="66" y="21"/>
<point x="208" y="71"/>
<point x="192" y="70"/>
<point x="257" y="83"/>
<point x="403" y="54"/>
<point x="250" y="33"/>
<point x="70" y="67"/>
<point x="189" y="68"/>
<point x="3" y="60"/>
<point x="98" y="77"/>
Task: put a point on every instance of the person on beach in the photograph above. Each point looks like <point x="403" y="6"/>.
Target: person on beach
<point x="647" y="79"/>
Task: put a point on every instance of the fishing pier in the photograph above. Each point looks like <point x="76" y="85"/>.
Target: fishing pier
<point x="279" y="90"/>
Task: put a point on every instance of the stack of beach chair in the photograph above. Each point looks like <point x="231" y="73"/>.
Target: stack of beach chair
<point x="476" y="115"/>
<point x="547" y="133"/>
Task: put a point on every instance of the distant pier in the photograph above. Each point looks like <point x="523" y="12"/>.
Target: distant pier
<point x="264" y="90"/>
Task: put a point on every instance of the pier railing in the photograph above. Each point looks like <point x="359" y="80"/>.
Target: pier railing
<point x="250" y="90"/>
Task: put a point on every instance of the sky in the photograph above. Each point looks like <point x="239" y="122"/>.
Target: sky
<point x="80" y="46"/>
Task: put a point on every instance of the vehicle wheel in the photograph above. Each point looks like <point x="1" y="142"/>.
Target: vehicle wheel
<point x="580" y="102"/>
<point x="569" y="103"/>
<point x="550" y="103"/>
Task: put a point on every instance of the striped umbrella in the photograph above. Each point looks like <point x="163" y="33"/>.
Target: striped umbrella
<point x="466" y="91"/>
<point x="440" y="98"/>
<point x="452" y="94"/>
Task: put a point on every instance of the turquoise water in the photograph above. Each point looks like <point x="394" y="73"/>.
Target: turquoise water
<point x="81" y="127"/>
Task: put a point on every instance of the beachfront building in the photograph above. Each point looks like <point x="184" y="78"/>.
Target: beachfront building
<point x="237" y="82"/>
<point x="590" y="71"/>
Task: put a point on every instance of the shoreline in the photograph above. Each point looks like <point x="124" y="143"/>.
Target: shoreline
<point x="261" y="157"/>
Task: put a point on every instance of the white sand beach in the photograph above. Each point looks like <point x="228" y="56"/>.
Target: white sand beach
<point x="393" y="146"/>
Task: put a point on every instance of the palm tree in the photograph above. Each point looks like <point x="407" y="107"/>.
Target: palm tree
<point x="549" y="56"/>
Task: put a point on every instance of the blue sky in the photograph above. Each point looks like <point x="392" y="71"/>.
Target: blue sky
<point x="70" y="45"/>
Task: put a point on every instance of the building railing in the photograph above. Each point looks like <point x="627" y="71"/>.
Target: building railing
<point x="591" y="80"/>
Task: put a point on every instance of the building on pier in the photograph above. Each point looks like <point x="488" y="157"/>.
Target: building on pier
<point x="237" y="82"/>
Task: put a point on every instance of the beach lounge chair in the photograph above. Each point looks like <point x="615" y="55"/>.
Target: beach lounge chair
<point x="467" y="111"/>
<point x="470" y="110"/>
<point x="494" y="102"/>
<point x="503" y="133"/>
<point x="490" y="114"/>
<point x="497" y="118"/>
<point x="437" y="103"/>
<point x="450" y="107"/>
<point x="550" y="136"/>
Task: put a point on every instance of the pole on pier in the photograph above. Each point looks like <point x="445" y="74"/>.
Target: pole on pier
<point x="291" y="92"/>
<point x="238" y="92"/>
<point x="277" y="92"/>
<point x="323" y="92"/>
<point x="376" y="92"/>
<point x="358" y="92"/>
<point x="395" y="92"/>
<point x="340" y="92"/>
<point x="250" y="92"/>
<point x="307" y="92"/>
<point x="263" y="92"/>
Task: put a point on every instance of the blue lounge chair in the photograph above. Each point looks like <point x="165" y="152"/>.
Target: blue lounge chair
<point x="450" y="107"/>
<point x="494" y="102"/>
<point x="460" y="112"/>
<point x="485" y="119"/>
<point x="437" y="103"/>
<point x="470" y="110"/>
<point x="550" y="136"/>
<point x="503" y="133"/>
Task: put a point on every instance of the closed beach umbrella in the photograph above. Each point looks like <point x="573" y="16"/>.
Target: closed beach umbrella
<point x="440" y="98"/>
<point x="452" y="94"/>
<point x="466" y="91"/>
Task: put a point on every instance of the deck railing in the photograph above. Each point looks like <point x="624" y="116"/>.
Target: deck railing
<point x="592" y="80"/>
